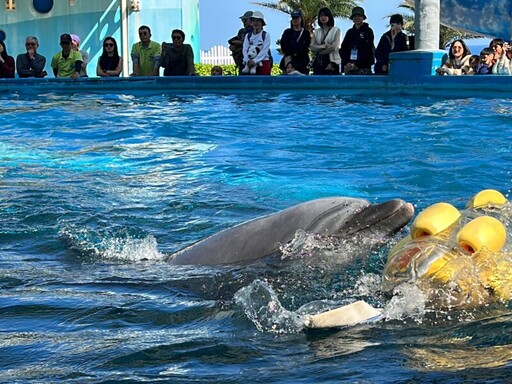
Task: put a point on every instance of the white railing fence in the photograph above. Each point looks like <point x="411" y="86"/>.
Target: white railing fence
<point x="217" y="55"/>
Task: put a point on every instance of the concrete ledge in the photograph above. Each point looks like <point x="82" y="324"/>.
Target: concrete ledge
<point x="488" y="86"/>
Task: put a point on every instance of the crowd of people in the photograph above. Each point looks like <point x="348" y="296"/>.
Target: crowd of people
<point x="324" y="52"/>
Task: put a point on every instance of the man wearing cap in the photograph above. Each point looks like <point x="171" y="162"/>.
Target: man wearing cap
<point x="261" y="40"/>
<point x="31" y="63"/>
<point x="67" y="63"/>
<point x="295" y="43"/>
<point x="236" y="43"/>
<point x="357" y="49"/>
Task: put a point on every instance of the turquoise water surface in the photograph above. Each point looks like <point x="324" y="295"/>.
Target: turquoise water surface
<point x="96" y="190"/>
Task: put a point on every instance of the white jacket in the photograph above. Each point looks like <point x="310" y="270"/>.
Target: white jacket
<point x="333" y="38"/>
<point x="257" y="40"/>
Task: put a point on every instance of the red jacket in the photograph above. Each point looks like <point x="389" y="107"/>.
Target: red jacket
<point x="7" y="68"/>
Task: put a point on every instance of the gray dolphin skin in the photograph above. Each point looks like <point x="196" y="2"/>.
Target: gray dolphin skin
<point x="332" y="216"/>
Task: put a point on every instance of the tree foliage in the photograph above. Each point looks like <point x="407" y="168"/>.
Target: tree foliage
<point x="310" y="8"/>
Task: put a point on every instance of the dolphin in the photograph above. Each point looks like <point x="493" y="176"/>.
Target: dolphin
<point x="333" y="216"/>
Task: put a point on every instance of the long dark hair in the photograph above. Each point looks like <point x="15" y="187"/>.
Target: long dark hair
<point x="104" y="55"/>
<point x="4" y="53"/>
<point x="465" y="49"/>
<point x="327" y="12"/>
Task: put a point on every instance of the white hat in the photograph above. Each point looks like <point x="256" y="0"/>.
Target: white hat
<point x="258" y="15"/>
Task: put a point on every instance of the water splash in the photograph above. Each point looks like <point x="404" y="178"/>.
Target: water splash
<point x="408" y="301"/>
<point x="263" y="308"/>
<point x="117" y="245"/>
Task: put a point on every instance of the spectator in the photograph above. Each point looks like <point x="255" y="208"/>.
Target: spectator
<point x="357" y="49"/>
<point x="31" y="63"/>
<point x="145" y="54"/>
<point x="216" y="71"/>
<point x="325" y="45"/>
<point x="110" y="63"/>
<point x="177" y="58"/>
<point x="75" y="45"/>
<point x="68" y="62"/>
<point x="295" y="43"/>
<point x="393" y="40"/>
<point x="291" y="69"/>
<point x="6" y="63"/>
<point x="261" y="40"/>
<point x="472" y="66"/>
<point x="485" y="64"/>
<point x="236" y="43"/>
<point x="458" y="57"/>
<point x="501" y="62"/>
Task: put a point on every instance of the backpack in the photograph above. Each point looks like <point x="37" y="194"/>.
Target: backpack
<point x="264" y="34"/>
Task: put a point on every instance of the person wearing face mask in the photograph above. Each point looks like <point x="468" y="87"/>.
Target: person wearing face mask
<point x="458" y="59"/>
<point x="393" y="40"/>
<point x="357" y="49"/>
<point x="31" y="63"/>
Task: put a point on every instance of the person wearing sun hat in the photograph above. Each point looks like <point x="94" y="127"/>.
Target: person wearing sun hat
<point x="236" y="43"/>
<point x="68" y="62"/>
<point x="295" y="43"/>
<point x="261" y="40"/>
<point x="75" y="45"/>
<point x="357" y="49"/>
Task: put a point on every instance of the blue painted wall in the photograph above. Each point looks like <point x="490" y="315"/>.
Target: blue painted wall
<point x="93" y="20"/>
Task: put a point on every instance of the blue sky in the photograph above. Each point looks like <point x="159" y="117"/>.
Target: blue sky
<point x="220" y="19"/>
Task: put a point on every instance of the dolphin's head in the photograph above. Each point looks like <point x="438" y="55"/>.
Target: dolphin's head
<point x="386" y="218"/>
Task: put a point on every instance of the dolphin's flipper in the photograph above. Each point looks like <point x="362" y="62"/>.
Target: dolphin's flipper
<point x="355" y="313"/>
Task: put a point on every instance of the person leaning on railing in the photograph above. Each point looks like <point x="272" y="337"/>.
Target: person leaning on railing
<point x="31" y="63"/>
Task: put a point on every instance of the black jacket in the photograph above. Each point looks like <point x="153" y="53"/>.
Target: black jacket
<point x="384" y="49"/>
<point x="362" y="40"/>
<point x="297" y="47"/>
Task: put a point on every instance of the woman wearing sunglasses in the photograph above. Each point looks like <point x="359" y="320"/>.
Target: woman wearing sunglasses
<point x="110" y="63"/>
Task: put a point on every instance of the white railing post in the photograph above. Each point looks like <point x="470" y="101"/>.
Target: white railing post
<point x="217" y="55"/>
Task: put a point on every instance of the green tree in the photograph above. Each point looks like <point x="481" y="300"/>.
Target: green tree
<point x="446" y="34"/>
<point x="309" y="8"/>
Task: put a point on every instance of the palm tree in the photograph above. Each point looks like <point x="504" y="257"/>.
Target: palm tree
<point x="309" y="8"/>
<point x="446" y="34"/>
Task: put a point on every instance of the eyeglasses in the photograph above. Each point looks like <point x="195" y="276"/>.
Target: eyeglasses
<point x="109" y="45"/>
<point x="30" y="44"/>
<point x="143" y="33"/>
<point x="176" y="37"/>
<point x="65" y="43"/>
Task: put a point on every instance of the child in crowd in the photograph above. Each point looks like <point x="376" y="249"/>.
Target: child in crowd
<point x="292" y="69"/>
<point x="486" y="59"/>
<point x="260" y="39"/>
<point x="472" y="66"/>
<point x="216" y="71"/>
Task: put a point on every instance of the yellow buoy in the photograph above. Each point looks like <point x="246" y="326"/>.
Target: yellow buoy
<point x="434" y="220"/>
<point x="482" y="232"/>
<point x="485" y="198"/>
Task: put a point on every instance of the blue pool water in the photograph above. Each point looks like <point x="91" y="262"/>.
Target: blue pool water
<point x="95" y="190"/>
